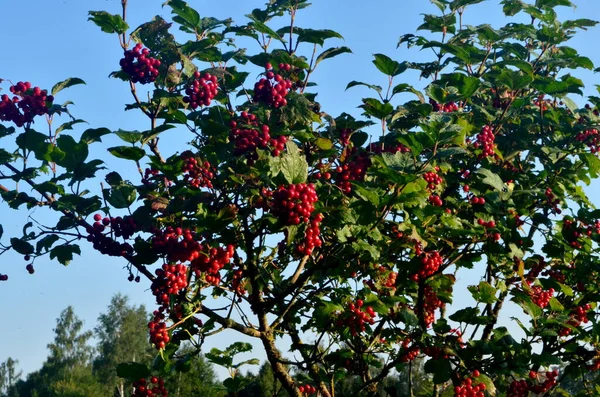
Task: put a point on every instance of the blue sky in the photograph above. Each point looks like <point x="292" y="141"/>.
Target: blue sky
<point x="46" y="41"/>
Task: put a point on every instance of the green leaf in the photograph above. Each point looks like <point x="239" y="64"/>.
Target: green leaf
<point x="293" y="165"/>
<point x="466" y="85"/>
<point x="132" y="370"/>
<point x="324" y="143"/>
<point x="186" y="16"/>
<point x="260" y="27"/>
<point x="491" y="179"/>
<point x="64" y="253"/>
<point x="127" y="152"/>
<point x="440" y="368"/>
<point x="388" y="66"/>
<point x="21" y="246"/>
<point x="75" y="153"/>
<point x="358" y="83"/>
<point x="376" y="108"/>
<point x="120" y="196"/>
<point x="92" y="135"/>
<point x="109" y="23"/>
<point x="65" y="84"/>
<point x="331" y="52"/>
<point x="555" y="305"/>
<point x="45" y="243"/>
<point x="484" y="292"/>
<point x="315" y="36"/>
<point x="129" y="136"/>
<point x="5" y="157"/>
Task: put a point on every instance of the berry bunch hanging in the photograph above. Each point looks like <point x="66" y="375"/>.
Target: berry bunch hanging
<point x="430" y="263"/>
<point x="273" y="88"/>
<point x="153" y="388"/>
<point x="26" y="103"/>
<point x="294" y="203"/>
<point x="356" y="318"/>
<point x="196" y="173"/>
<point x="201" y="90"/>
<point x="485" y="140"/>
<point x="247" y="136"/>
<point x="140" y="67"/>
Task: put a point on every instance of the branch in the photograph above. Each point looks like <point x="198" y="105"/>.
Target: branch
<point x="229" y="323"/>
<point x="79" y="221"/>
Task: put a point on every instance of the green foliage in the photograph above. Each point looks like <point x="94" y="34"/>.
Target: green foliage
<point x="308" y="225"/>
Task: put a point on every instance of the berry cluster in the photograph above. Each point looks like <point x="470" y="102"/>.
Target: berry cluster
<point x="169" y="281"/>
<point x="432" y="179"/>
<point x="485" y="140"/>
<point x="345" y="135"/>
<point x="541" y="297"/>
<point x="294" y="204"/>
<point x="356" y="318"/>
<point x="518" y="388"/>
<point x="477" y="200"/>
<point x="237" y="283"/>
<point x="120" y="227"/>
<point x="154" y="388"/>
<point x="176" y="244"/>
<point x="591" y="138"/>
<point x="312" y="237"/>
<point x="354" y="169"/>
<point x="431" y="303"/>
<point x="247" y="136"/>
<point x="307" y="389"/>
<point x="159" y="334"/>
<point x="578" y="316"/>
<point x="430" y="263"/>
<point x="468" y="389"/>
<point x="30" y="268"/>
<point x="443" y="107"/>
<point x="411" y="351"/>
<point x="547" y="384"/>
<point x="211" y="262"/>
<point x="25" y="104"/>
<point x="487" y="225"/>
<point x="273" y="88"/>
<point x="552" y="201"/>
<point x="196" y="174"/>
<point x="139" y="66"/>
<point x="435" y="200"/>
<point x="3" y="277"/>
<point x="201" y="90"/>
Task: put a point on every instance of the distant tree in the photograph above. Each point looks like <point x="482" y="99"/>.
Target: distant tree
<point x="70" y="348"/>
<point x="199" y="380"/>
<point x="67" y="370"/>
<point x="9" y="375"/>
<point x="263" y="384"/>
<point x="121" y="338"/>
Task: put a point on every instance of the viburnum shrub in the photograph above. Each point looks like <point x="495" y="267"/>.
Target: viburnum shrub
<point x="339" y="237"/>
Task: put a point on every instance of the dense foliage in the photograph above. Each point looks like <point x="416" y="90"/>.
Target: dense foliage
<point x="313" y="233"/>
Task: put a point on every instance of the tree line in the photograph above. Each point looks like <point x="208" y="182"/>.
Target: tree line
<point x="75" y="367"/>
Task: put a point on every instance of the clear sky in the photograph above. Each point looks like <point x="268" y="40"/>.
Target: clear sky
<point x="46" y="41"/>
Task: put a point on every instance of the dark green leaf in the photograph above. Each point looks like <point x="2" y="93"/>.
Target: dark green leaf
<point x="65" y="84"/>
<point x="109" y="23"/>
<point x="64" y="253"/>
<point x="132" y="370"/>
<point x="332" y="52"/>
<point x="45" y="243"/>
<point x="21" y="246"/>
<point x="127" y="152"/>
<point x="388" y="66"/>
